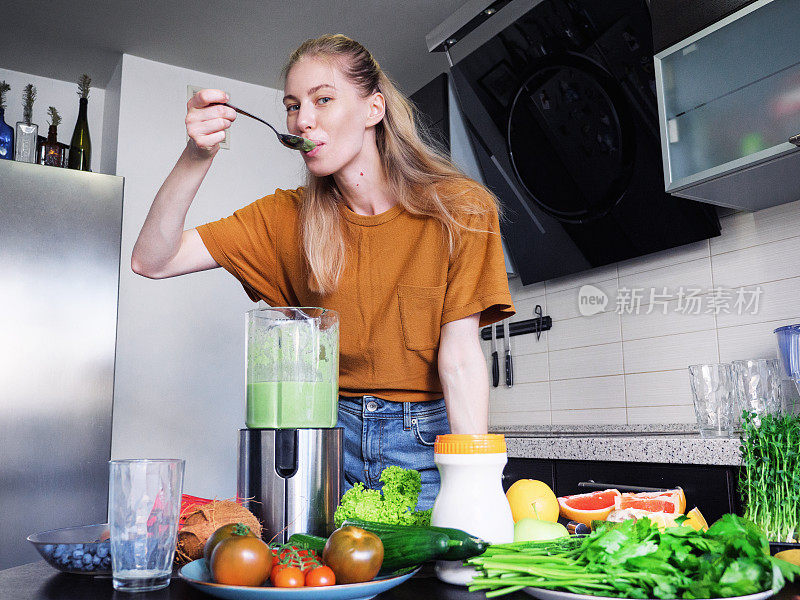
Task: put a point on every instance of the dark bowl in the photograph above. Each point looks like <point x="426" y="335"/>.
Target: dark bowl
<point x="775" y="547"/>
<point x="81" y="550"/>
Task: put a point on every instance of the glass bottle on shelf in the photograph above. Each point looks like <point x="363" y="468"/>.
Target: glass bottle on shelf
<point x="80" y="148"/>
<point x="6" y="132"/>
<point x="53" y="153"/>
<point x="26" y="131"/>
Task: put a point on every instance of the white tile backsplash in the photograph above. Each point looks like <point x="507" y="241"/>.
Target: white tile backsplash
<point x="664" y="258"/>
<point x="670" y="351"/>
<point x="631" y="368"/>
<point x="588" y="392"/>
<point x="588" y="417"/>
<point x="658" y="388"/>
<point x="584" y="331"/>
<point x="587" y="361"/>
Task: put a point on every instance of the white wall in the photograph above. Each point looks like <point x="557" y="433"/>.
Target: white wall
<point x="179" y="388"/>
<point x="631" y="368"/>
<point x="64" y="96"/>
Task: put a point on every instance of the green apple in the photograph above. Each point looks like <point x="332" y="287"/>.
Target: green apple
<point x="534" y="530"/>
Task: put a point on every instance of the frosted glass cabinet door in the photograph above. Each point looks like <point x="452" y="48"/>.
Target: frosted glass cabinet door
<point x="729" y="95"/>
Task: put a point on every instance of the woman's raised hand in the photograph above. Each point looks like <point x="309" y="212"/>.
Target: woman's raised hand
<point x="207" y="120"/>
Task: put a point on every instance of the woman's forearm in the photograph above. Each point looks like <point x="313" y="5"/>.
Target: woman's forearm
<point x="160" y="237"/>
<point x="465" y="383"/>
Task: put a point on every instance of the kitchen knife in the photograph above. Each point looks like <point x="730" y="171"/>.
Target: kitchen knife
<point x="507" y="346"/>
<point x="495" y="359"/>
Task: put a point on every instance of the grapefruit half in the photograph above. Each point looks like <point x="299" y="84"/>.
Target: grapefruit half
<point x="671" y="502"/>
<point x="585" y="508"/>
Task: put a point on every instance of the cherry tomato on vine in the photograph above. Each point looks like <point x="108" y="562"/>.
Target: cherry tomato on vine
<point x="289" y="577"/>
<point x="320" y="576"/>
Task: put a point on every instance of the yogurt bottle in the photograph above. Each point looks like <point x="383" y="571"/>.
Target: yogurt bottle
<point x="471" y="496"/>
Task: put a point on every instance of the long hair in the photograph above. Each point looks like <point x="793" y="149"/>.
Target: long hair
<point x="421" y="177"/>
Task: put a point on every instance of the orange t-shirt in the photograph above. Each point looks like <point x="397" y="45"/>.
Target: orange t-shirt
<point x="399" y="285"/>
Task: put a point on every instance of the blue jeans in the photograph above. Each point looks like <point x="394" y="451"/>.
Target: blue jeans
<point x="379" y="433"/>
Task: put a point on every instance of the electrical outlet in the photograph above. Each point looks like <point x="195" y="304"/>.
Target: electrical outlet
<point x="191" y="90"/>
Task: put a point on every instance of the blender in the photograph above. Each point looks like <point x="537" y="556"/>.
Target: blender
<point x="788" y="340"/>
<point x="290" y="453"/>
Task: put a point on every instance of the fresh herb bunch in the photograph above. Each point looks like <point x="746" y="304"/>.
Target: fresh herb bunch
<point x="55" y="118"/>
<point x="770" y="478"/>
<point x="395" y="504"/>
<point x="634" y="559"/>
<point x="84" y="84"/>
<point x="28" y="98"/>
<point x="4" y="88"/>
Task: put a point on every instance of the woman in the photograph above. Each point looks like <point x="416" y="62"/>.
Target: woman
<point x="386" y="231"/>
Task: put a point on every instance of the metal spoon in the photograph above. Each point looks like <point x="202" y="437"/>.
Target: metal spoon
<point x="295" y="142"/>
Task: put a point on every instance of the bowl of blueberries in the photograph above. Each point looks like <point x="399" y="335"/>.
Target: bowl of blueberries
<point x="82" y="550"/>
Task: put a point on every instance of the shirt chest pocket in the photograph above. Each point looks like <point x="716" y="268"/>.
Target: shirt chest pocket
<point x="421" y="315"/>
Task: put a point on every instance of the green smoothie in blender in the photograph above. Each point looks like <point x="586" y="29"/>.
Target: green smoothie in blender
<point x="292" y="368"/>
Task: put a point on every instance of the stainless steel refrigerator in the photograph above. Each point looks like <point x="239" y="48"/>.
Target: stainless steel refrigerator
<point x="60" y="233"/>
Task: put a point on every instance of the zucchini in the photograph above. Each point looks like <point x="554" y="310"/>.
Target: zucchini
<point x="411" y="548"/>
<point x="461" y="545"/>
<point x="306" y="541"/>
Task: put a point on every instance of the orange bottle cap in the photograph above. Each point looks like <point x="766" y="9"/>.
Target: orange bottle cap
<point x="470" y="443"/>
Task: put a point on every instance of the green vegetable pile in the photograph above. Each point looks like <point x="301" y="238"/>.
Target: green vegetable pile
<point x="395" y="504"/>
<point x="770" y="476"/>
<point x="634" y="559"/>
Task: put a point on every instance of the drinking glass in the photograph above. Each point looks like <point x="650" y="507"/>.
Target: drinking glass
<point x="144" y="502"/>
<point x="714" y="391"/>
<point x="758" y="386"/>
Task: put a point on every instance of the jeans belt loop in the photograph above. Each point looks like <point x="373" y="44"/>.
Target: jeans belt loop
<point x="406" y="416"/>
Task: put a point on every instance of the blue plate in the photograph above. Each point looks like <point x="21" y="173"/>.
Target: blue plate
<point x="197" y="575"/>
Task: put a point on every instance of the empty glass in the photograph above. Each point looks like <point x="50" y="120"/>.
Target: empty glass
<point x="714" y="391"/>
<point x="758" y="385"/>
<point x="144" y="502"/>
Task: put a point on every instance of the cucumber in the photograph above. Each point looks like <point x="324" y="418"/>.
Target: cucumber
<point x="461" y="545"/>
<point x="410" y="548"/>
<point x="306" y="541"/>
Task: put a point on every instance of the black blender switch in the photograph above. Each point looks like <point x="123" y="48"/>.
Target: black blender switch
<point x="286" y="452"/>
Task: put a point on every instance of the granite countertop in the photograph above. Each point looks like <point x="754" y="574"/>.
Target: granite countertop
<point x="677" y="444"/>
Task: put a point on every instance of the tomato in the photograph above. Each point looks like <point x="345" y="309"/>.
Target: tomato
<point x="222" y="533"/>
<point x="288" y="577"/>
<point x="354" y="555"/>
<point x="241" y="560"/>
<point x="276" y="568"/>
<point x="320" y="576"/>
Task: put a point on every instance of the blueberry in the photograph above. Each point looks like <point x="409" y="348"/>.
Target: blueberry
<point x="77" y="553"/>
<point x="96" y="560"/>
<point x="102" y="551"/>
<point x="58" y="551"/>
<point x="78" y="546"/>
<point x="48" y="549"/>
<point x="87" y="559"/>
<point x="106" y="561"/>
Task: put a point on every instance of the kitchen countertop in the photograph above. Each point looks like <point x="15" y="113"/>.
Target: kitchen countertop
<point x="39" y="581"/>
<point x="677" y="444"/>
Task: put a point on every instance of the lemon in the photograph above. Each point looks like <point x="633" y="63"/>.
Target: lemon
<point x="534" y="499"/>
<point x="695" y="520"/>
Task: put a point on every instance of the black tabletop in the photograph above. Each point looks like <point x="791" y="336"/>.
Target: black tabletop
<point x="39" y="581"/>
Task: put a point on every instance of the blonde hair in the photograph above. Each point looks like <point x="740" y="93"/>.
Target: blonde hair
<point x="421" y="177"/>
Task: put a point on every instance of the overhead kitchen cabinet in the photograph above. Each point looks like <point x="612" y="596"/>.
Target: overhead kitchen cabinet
<point x="729" y="109"/>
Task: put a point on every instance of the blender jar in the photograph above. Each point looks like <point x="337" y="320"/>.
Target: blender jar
<point x="292" y="367"/>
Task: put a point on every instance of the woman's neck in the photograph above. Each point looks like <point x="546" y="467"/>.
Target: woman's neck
<point x="363" y="184"/>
